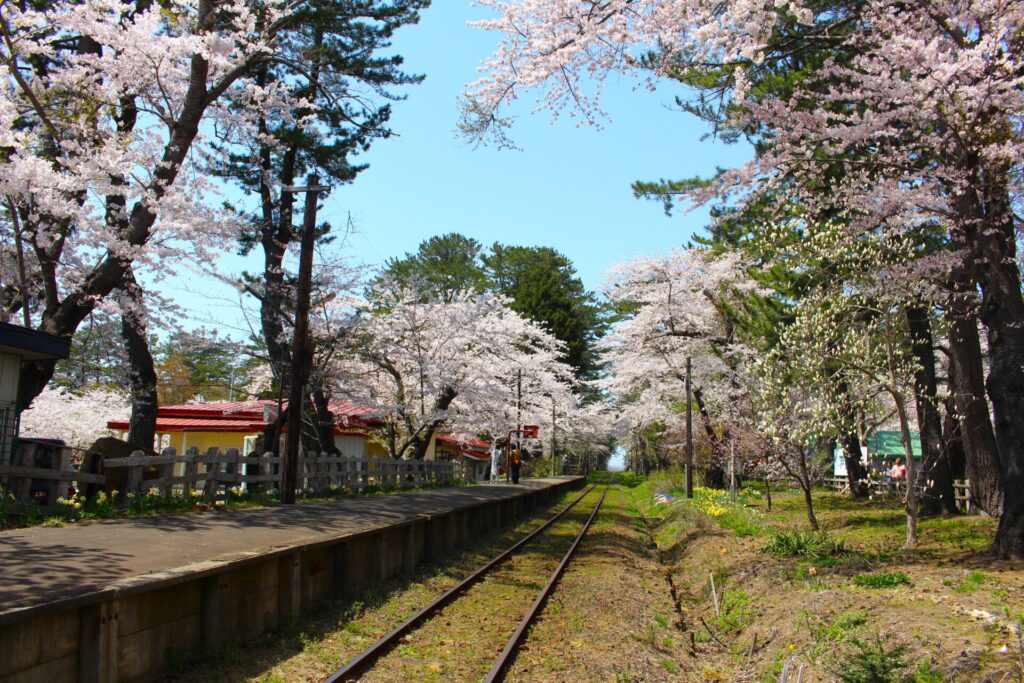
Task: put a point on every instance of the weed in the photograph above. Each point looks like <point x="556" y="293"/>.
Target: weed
<point x="736" y="613"/>
<point x="971" y="582"/>
<point x="872" y="662"/>
<point x="925" y="673"/>
<point x="886" y="580"/>
<point x="839" y="629"/>
<point x="662" y="620"/>
<point x="796" y="543"/>
<point x="670" y="666"/>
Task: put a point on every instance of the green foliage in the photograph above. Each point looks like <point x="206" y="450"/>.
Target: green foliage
<point x="16" y="513"/>
<point x="626" y="479"/>
<point x="444" y="264"/>
<point x="735" y="611"/>
<point x="541" y="283"/>
<point x="809" y="544"/>
<point x="872" y="662"/>
<point x="973" y="581"/>
<point x="925" y="673"/>
<point x="544" y="287"/>
<point x="840" y="628"/>
<point x="886" y="580"/>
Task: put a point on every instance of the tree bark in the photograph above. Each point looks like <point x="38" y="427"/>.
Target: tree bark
<point x="856" y="472"/>
<point x="324" y="422"/>
<point x="805" y="484"/>
<point x="939" y="496"/>
<point x="420" y="442"/>
<point x="967" y="386"/>
<point x="142" y="370"/>
<point x="986" y="227"/>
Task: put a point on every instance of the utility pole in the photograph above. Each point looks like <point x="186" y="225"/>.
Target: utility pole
<point x="689" y="434"/>
<point x="519" y="425"/>
<point x="302" y="351"/>
<point x="732" y="471"/>
<point x="554" y="442"/>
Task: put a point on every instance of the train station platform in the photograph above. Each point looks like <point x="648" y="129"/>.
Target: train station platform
<point x="113" y="600"/>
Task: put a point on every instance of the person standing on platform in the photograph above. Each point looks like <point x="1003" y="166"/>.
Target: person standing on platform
<point x="496" y="456"/>
<point x="516" y="465"/>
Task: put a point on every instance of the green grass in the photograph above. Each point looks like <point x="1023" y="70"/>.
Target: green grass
<point x="882" y="580"/>
<point x="973" y="581"/>
<point x="735" y="611"/>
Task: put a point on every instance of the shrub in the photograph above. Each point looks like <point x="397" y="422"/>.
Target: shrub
<point x="872" y="662"/>
<point x="888" y="580"/>
<point x="812" y="544"/>
<point x="735" y="610"/>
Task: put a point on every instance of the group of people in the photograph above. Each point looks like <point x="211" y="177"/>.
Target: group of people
<point x="898" y="471"/>
<point x="515" y="464"/>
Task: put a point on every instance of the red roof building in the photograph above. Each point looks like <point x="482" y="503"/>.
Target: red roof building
<point x="237" y="424"/>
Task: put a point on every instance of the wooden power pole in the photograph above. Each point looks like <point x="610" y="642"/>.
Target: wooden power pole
<point x="689" y="434"/>
<point x="302" y="356"/>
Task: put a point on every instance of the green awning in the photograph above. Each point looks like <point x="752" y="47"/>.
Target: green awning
<point x="890" y="445"/>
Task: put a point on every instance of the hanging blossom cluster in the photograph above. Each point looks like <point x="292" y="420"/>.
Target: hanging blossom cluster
<point x="423" y="362"/>
<point x="918" y="103"/>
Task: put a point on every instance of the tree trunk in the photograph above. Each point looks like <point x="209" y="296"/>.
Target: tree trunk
<point x="142" y="371"/>
<point x="967" y="386"/>
<point x="912" y="471"/>
<point x="953" y="443"/>
<point x="418" y="445"/>
<point x="856" y="472"/>
<point x="939" y="496"/>
<point x="324" y="422"/>
<point x="805" y="484"/>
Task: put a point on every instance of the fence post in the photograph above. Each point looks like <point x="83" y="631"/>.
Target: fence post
<point x="211" y="484"/>
<point x="191" y="469"/>
<point x="166" y="471"/>
<point x="231" y="469"/>
<point x="134" y="484"/>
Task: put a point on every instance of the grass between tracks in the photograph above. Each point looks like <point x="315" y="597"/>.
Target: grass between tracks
<point x="843" y="604"/>
<point x="462" y="642"/>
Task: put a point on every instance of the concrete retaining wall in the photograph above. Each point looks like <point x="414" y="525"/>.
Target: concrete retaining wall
<point x="131" y="632"/>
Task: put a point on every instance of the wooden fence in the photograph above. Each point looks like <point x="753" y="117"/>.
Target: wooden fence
<point x="214" y="473"/>
<point x="888" y="488"/>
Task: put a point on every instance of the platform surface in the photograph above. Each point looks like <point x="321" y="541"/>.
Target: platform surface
<point x="40" y="566"/>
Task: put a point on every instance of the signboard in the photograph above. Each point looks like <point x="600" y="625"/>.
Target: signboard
<point x="530" y="431"/>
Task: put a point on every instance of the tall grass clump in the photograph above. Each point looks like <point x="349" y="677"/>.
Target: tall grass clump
<point x="809" y="544"/>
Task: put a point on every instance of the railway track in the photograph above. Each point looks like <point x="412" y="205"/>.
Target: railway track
<point x="366" y="660"/>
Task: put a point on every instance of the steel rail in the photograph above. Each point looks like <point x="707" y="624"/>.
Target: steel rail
<point x="359" y="664"/>
<point x="497" y="672"/>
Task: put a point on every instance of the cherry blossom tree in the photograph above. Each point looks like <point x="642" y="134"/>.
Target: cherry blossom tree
<point x="104" y="117"/>
<point x="77" y="418"/>
<point x="681" y="308"/>
<point x="906" y="117"/>
<point x="422" y="363"/>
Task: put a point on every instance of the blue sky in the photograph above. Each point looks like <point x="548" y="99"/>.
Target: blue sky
<point x="568" y="188"/>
